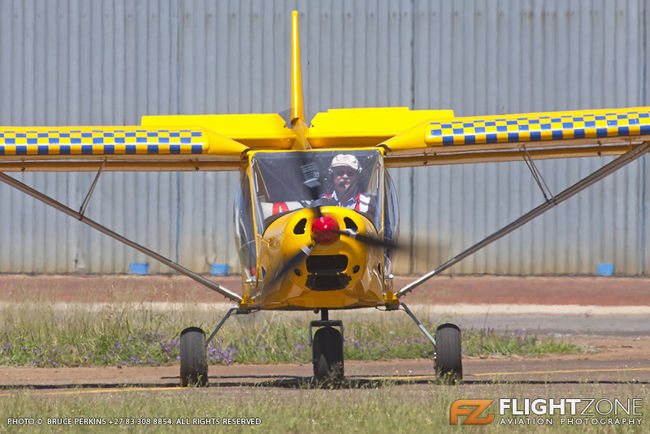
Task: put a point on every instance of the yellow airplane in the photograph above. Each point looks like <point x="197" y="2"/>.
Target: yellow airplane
<point x="316" y="215"/>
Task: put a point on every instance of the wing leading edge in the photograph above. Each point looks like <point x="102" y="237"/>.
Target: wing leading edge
<point x="505" y="137"/>
<point x="412" y="138"/>
<point x="120" y="148"/>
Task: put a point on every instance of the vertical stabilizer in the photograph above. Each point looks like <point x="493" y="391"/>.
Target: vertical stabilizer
<point x="297" y="109"/>
<point x="298" y="123"/>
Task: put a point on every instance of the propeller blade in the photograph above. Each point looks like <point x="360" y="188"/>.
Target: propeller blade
<point x="292" y="263"/>
<point x="370" y="240"/>
<point x="305" y="251"/>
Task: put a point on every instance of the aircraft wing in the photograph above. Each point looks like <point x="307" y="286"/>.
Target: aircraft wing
<point x="508" y="137"/>
<point x="118" y="148"/>
<point x="411" y="138"/>
<point x="359" y="127"/>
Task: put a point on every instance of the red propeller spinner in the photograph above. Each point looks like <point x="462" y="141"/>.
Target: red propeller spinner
<point x="325" y="229"/>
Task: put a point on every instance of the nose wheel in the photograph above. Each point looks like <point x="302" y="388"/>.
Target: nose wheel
<point x="327" y="349"/>
<point x="327" y="353"/>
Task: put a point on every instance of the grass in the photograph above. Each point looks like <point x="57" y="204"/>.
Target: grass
<point x="49" y="336"/>
<point x="45" y="336"/>
<point x="390" y="408"/>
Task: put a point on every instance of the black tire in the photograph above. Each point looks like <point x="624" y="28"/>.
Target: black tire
<point x="194" y="362"/>
<point x="448" y="364"/>
<point x="327" y="354"/>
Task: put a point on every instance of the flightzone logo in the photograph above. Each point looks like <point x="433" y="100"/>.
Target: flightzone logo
<point x="547" y="411"/>
<point x="472" y="409"/>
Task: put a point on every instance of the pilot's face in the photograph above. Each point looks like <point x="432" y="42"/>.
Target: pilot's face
<point x="343" y="178"/>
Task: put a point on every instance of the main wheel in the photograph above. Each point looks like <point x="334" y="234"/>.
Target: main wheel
<point x="327" y="354"/>
<point x="448" y="364"/>
<point x="194" y="361"/>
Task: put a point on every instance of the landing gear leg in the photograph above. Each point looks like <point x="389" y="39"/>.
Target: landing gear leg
<point x="447" y="364"/>
<point x="327" y="349"/>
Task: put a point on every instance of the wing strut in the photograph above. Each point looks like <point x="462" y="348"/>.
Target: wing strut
<point x="585" y="182"/>
<point x="93" y="224"/>
<point x="84" y="204"/>
<point x="537" y="175"/>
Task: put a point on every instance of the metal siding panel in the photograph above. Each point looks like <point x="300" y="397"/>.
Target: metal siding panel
<point x="112" y="62"/>
<point x="643" y="232"/>
<point x="58" y="82"/>
<point x="5" y="67"/>
<point x="522" y="30"/>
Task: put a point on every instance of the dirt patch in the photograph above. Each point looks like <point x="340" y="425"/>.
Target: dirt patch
<point x="604" y="348"/>
<point x="595" y="291"/>
<point x="624" y="358"/>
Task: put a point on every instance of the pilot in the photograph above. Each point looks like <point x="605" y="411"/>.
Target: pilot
<point x="345" y="170"/>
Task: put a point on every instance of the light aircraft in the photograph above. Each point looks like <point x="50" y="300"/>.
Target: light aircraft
<point x="316" y="216"/>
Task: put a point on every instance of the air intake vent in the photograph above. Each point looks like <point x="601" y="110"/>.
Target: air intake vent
<point x="299" y="228"/>
<point x="326" y="264"/>
<point x="326" y="272"/>
<point x="327" y="282"/>
<point x="349" y="224"/>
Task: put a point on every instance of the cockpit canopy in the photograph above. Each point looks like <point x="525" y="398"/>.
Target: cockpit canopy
<point x="286" y="181"/>
<point x="281" y="182"/>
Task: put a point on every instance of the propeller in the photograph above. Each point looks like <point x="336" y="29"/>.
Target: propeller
<point x="293" y="262"/>
<point x="325" y="229"/>
<point x="370" y="240"/>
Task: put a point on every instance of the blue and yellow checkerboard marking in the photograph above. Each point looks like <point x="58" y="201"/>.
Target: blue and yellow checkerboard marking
<point x="536" y="128"/>
<point x="101" y="142"/>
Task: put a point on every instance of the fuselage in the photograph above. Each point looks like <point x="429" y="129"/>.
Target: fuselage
<point x="282" y="195"/>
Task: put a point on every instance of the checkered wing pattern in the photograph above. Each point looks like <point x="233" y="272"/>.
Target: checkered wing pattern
<point x="542" y="127"/>
<point x="102" y="141"/>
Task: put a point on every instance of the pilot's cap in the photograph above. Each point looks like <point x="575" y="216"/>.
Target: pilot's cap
<point x="345" y="160"/>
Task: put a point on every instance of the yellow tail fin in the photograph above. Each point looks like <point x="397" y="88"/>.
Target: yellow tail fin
<point x="298" y="123"/>
<point x="297" y="108"/>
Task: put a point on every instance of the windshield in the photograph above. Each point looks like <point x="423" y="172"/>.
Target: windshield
<point x="287" y="181"/>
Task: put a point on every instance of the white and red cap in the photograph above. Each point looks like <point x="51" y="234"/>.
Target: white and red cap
<point x="345" y="160"/>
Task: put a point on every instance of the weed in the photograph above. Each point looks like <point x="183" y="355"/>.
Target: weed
<point x="45" y="336"/>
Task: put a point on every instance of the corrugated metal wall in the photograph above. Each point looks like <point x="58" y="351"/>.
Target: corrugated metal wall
<point x="110" y="62"/>
<point x="521" y="56"/>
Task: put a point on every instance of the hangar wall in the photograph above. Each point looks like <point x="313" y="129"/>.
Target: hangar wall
<point x="67" y="62"/>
